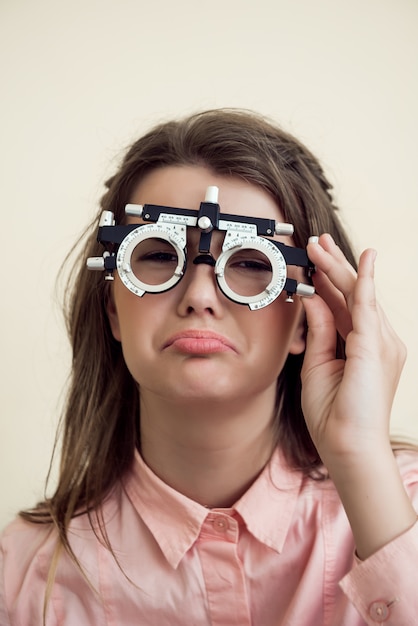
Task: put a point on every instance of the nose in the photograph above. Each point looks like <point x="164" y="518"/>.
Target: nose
<point x="200" y="294"/>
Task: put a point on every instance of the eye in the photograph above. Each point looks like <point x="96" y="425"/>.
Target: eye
<point x="157" y="256"/>
<point x="251" y="262"/>
<point x="154" y="261"/>
<point x="154" y="251"/>
<point x="248" y="272"/>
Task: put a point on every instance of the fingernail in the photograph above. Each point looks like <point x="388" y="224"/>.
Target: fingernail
<point x="313" y="239"/>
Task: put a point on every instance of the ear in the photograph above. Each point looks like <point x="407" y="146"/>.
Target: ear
<point x="298" y="343"/>
<point x="113" y="317"/>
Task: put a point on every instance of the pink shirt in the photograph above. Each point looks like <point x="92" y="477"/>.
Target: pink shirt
<point x="282" y="556"/>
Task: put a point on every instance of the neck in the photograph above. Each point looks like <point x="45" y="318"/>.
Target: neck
<point x="211" y="455"/>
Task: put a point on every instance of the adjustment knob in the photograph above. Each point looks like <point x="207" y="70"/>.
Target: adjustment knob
<point x="95" y="263"/>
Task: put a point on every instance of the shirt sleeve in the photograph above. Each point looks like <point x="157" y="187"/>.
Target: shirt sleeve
<point x="383" y="588"/>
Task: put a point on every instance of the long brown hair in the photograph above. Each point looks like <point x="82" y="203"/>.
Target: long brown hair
<point x="100" y="424"/>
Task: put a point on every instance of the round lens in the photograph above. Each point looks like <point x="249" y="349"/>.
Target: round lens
<point x="154" y="261"/>
<point x="151" y="259"/>
<point x="251" y="270"/>
<point x="248" y="272"/>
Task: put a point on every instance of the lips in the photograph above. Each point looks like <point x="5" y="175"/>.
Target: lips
<point x="198" y="342"/>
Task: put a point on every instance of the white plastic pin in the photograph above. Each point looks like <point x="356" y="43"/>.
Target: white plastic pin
<point x="135" y="210"/>
<point x="212" y="194"/>
<point x="107" y="218"/>
<point x="284" y="229"/>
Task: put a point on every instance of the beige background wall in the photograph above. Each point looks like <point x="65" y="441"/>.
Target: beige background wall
<point x="80" y="79"/>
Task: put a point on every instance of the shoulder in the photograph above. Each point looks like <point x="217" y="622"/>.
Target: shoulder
<point x="25" y="550"/>
<point x="20" y="541"/>
<point x="30" y="551"/>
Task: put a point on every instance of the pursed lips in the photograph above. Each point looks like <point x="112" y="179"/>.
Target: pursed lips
<point x="199" y="342"/>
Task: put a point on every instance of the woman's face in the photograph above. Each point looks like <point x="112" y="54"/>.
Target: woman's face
<point x="192" y="342"/>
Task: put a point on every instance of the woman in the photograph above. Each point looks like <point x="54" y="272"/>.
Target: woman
<point x="222" y="464"/>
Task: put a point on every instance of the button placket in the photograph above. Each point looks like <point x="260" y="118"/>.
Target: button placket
<point x="222" y="570"/>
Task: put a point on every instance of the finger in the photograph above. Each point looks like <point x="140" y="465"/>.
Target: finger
<point x="336" y="302"/>
<point x="321" y="336"/>
<point x="334" y="279"/>
<point x="365" y="313"/>
<point x="369" y="320"/>
<point x="329" y="259"/>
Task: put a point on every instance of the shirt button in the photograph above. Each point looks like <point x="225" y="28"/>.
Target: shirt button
<point x="220" y="524"/>
<point x="379" y="611"/>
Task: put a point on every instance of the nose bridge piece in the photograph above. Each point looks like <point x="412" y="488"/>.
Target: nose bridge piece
<point x="206" y="259"/>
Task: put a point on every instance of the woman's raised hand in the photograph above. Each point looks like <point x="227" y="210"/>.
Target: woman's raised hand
<point x="347" y="403"/>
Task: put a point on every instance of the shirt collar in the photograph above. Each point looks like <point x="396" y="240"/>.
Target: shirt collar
<point x="267" y="507"/>
<point x="175" y="521"/>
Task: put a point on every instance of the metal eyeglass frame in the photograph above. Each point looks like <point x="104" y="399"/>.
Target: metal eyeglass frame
<point x="170" y="224"/>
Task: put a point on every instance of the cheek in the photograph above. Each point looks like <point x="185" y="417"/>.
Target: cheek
<point x="136" y="321"/>
<point x="284" y="327"/>
<point x="136" y="341"/>
<point x="123" y="310"/>
<point x="113" y="316"/>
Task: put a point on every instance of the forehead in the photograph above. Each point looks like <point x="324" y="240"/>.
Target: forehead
<point x="185" y="187"/>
